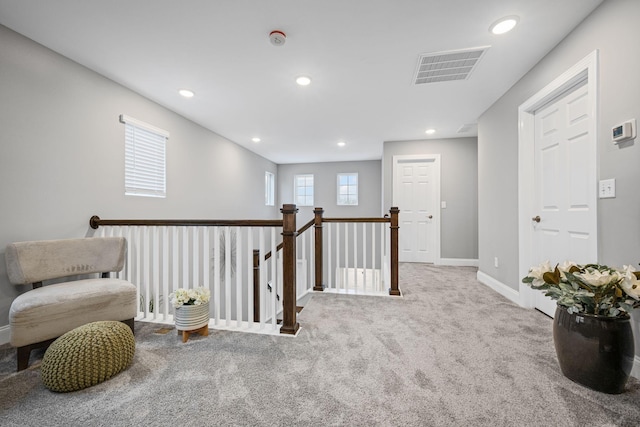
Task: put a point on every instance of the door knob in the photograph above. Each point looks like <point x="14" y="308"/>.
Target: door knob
<point x="536" y="218"/>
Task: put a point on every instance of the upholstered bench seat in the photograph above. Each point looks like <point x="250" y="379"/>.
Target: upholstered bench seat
<point x="50" y="311"/>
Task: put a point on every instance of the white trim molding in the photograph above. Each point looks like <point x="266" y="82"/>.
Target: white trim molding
<point x="585" y="70"/>
<point x="5" y="334"/>
<point x="459" y="262"/>
<point x="504" y="290"/>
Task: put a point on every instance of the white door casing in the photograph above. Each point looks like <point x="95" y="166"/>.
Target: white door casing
<point x="558" y="181"/>
<point x="416" y="192"/>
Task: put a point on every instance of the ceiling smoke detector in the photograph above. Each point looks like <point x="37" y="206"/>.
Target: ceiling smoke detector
<point x="277" y="37"/>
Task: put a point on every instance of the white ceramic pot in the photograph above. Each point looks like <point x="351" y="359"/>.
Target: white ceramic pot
<point x="191" y="317"/>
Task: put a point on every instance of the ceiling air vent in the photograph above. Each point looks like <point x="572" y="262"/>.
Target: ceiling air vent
<point x="448" y="66"/>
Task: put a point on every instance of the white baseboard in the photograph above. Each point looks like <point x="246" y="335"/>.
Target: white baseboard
<point x="499" y="287"/>
<point x="5" y="334"/>
<point x="459" y="262"/>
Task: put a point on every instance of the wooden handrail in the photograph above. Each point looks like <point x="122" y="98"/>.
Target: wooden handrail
<point x="96" y="222"/>
<point x="279" y="247"/>
<point x="374" y="220"/>
<point x="305" y="227"/>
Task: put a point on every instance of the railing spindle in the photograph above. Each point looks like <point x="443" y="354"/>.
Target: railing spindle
<point x="227" y="275"/>
<point x="238" y="269"/>
<point x="155" y="271"/>
<point x="165" y="272"/>
<point x="216" y="275"/>
<point x="262" y="281"/>
<point x="207" y="261"/>
<point x="364" y="256"/>
<point x="329" y="275"/>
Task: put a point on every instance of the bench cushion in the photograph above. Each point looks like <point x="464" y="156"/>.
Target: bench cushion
<point x="30" y="262"/>
<point x="50" y="311"/>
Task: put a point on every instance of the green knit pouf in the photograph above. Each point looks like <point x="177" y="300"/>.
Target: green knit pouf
<point x="87" y="355"/>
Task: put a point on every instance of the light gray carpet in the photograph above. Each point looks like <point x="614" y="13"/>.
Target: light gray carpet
<point x="450" y="352"/>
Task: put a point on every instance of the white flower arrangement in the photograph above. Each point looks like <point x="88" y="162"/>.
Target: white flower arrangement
<point x="590" y="289"/>
<point x="197" y="296"/>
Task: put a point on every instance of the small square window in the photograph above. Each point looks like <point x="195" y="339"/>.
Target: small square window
<point x="304" y="190"/>
<point x="347" y="189"/>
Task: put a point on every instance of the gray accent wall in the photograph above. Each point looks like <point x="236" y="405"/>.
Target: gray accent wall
<point x="62" y="155"/>
<point x="325" y="188"/>
<point x="458" y="188"/>
<point x="613" y="30"/>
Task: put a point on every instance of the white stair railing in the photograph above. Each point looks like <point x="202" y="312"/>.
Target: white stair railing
<point x="357" y="257"/>
<point x="161" y="259"/>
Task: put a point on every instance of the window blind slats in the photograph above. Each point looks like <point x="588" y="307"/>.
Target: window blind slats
<point x="145" y="159"/>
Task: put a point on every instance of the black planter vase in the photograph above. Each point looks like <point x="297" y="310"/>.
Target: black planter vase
<point x="595" y="351"/>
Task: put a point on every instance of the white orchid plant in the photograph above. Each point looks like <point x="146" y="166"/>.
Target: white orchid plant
<point x="197" y="296"/>
<point x="589" y="289"/>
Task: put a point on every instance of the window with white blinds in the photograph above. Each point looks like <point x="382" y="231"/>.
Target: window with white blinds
<point x="144" y="159"/>
<point x="269" y="189"/>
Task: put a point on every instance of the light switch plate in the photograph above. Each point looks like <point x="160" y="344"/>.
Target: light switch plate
<point x="607" y="189"/>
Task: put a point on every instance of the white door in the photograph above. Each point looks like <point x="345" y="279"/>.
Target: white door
<point x="564" y="218"/>
<point x="416" y="194"/>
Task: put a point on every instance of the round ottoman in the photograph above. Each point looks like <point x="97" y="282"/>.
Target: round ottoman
<point x="87" y="355"/>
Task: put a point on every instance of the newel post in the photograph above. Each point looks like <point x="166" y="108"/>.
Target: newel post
<point x="289" y="233"/>
<point x="394" y="290"/>
<point x="317" y="224"/>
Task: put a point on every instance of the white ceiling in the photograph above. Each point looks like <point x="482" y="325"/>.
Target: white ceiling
<point x="361" y="55"/>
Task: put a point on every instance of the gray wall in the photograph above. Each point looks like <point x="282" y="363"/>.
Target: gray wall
<point x="458" y="187"/>
<point x="325" y="188"/>
<point x="613" y="30"/>
<point x="62" y="155"/>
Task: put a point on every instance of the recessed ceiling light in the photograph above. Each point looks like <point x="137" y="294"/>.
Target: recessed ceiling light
<point x="430" y="131"/>
<point x="303" y="80"/>
<point x="504" y="25"/>
<point x="255" y="139"/>
<point x="341" y="144"/>
<point x="186" y="93"/>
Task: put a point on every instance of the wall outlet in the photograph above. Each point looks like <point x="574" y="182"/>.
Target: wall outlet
<point x="495" y="262"/>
